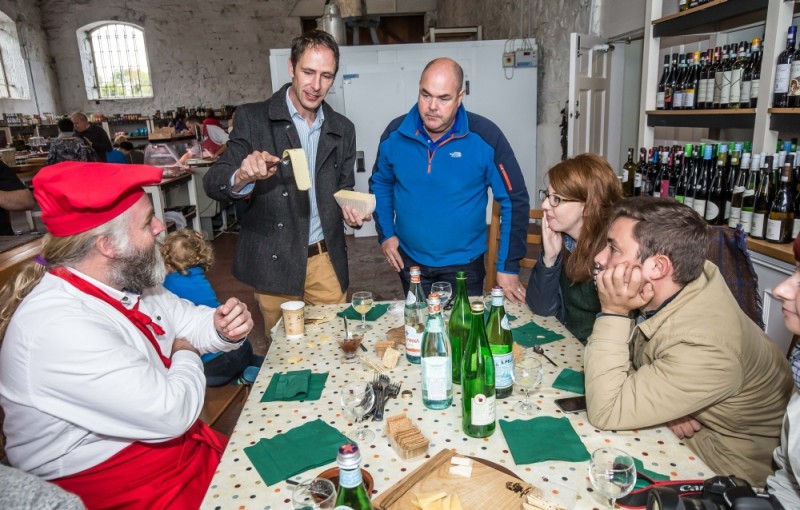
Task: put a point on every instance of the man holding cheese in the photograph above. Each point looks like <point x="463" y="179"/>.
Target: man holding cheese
<point x="292" y="243"/>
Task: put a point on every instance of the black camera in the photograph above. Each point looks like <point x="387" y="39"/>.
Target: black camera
<point x="719" y="493"/>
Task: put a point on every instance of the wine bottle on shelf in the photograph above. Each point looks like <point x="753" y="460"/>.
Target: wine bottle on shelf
<point x="414" y="315"/>
<point x="737" y="73"/>
<point x="721" y="54"/>
<point x="706" y="99"/>
<point x="794" y="80"/>
<point x="692" y="83"/>
<point x="737" y="195"/>
<point x="755" y="83"/>
<point x="747" y="76"/>
<point x="727" y="71"/>
<point x="677" y="91"/>
<point x="749" y="195"/>
<point x="683" y="5"/>
<point x="662" y="84"/>
<point x="352" y="493"/>
<point x="460" y="322"/>
<point x="703" y="184"/>
<point x="781" y="213"/>
<point x="498" y="331"/>
<point x="701" y="81"/>
<point x="783" y="71"/>
<point x="640" y="169"/>
<point x="762" y="201"/>
<point x="691" y="162"/>
<point x="715" y="208"/>
<point x="669" y="87"/>
<point x="730" y="180"/>
<point x="628" y="175"/>
<point x="478" y="393"/>
<point x="682" y="167"/>
<point x="436" y="357"/>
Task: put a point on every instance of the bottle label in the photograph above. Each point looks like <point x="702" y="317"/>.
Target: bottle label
<point x="757" y="229"/>
<point x="349" y="478"/>
<point x="625" y="175"/>
<point x="504" y="323"/>
<point x="664" y="192"/>
<point x="343" y="507"/>
<point x="717" y="86"/>
<point x="794" y="79"/>
<point x="746" y="86"/>
<point x="700" y="207"/>
<point x="774" y="230"/>
<point x="688" y="98"/>
<point x="702" y="94"/>
<point x="725" y="91"/>
<point x="782" y="73"/>
<point x="712" y="211"/>
<point x="482" y="410"/>
<point x="795" y="227"/>
<point x="410" y="298"/>
<point x="677" y="99"/>
<point x="736" y="86"/>
<point x="660" y="100"/>
<point x="754" y="88"/>
<point x="709" y="90"/>
<point x="688" y="201"/>
<point x="747" y="221"/>
<point x="735" y="217"/>
<point x="637" y="180"/>
<point x="728" y="206"/>
<point x="503" y="370"/>
<point x="413" y="340"/>
<point x="437" y="377"/>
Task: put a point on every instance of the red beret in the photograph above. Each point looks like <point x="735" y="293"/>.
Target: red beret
<point x="77" y="196"/>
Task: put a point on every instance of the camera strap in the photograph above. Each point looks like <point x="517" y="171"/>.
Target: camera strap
<point x="638" y="498"/>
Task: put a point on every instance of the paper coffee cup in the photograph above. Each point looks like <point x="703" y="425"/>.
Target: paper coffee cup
<point x="293" y="319"/>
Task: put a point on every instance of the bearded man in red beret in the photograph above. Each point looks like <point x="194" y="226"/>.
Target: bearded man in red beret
<point x="101" y="380"/>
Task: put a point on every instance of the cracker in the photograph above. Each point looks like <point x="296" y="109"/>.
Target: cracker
<point x="390" y="358"/>
<point x="381" y="346"/>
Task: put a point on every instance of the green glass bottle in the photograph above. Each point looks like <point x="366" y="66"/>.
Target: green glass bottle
<point x="437" y="374"/>
<point x="498" y="332"/>
<point x="477" y="380"/>
<point x="352" y="493"/>
<point x="460" y="322"/>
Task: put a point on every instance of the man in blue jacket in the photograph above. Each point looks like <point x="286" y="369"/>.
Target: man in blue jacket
<point x="430" y="181"/>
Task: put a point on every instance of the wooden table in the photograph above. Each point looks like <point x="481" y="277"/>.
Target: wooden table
<point x="237" y="485"/>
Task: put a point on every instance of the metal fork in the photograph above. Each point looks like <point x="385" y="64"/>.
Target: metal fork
<point x="379" y="397"/>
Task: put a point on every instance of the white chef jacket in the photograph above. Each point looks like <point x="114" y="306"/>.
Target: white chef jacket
<point x="79" y="382"/>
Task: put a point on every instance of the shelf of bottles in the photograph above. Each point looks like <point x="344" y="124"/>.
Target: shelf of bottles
<point x="727" y="184"/>
<point x="714" y="16"/>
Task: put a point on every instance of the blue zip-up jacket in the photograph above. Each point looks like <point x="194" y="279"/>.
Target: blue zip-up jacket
<point x="435" y="201"/>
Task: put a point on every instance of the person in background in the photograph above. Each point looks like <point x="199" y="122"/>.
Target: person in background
<point x="213" y="138"/>
<point x="68" y="147"/>
<point x="179" y="123"/>
<point x="135" y="156"/>
<point x="94" y="136"/>
<point x="101" y="380"/>
<point x="784" y="483"/>
<point x="672" y="346"/>
<point x="576" y="204"/>
<point x="14" y="196"/>
<point x="188" y="256"/>
<point x="117" y="155"/>
<point x="291" y="243"/>
<point x="431" y="176"/>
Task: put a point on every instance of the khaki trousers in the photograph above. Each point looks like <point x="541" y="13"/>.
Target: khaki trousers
<point x="322" y="288"/>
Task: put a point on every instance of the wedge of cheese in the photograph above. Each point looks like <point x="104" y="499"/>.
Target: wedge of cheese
<point x="363" y="203"/>
<point x="299" y="167"/>
<point x="438" y="501"/>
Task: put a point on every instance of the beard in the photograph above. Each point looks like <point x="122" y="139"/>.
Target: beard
<point x="136" y="269"/>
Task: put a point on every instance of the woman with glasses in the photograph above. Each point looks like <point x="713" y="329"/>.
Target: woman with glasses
<point x="576" y="204"/>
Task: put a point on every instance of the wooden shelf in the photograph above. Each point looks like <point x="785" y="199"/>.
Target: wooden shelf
<point x="743" y="118"/>
<point x="782" y="252"/>
<point x="715" y="16"/>
<point x="784" y="119"/>
<point x="784" y="111"/>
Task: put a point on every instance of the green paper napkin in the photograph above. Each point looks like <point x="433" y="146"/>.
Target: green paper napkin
<point x="373" y="314"/>
<point x="532" y="334"/>
<point x="296" y="385"/>
<point x="310" y="445"/>
<point x="570" y="380"/>
<point x="543" y="438"/>
<point x="641" y="483"/>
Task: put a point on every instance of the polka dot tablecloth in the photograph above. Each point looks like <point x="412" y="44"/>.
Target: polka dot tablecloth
<point x="237" y="485"/>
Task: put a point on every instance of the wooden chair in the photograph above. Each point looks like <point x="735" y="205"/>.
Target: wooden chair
<point x="222" y="406"/>
<point x="534" y="239"/>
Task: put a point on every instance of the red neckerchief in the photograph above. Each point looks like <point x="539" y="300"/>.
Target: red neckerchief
<point x="139" y="319"/>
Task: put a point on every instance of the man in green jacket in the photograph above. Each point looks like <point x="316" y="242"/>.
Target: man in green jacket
<point x="671" y="345"/>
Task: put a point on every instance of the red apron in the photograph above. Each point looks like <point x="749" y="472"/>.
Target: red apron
<point x="174" y="474"/>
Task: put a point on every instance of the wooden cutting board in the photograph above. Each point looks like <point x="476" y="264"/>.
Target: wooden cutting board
<point x="486" y="488"/>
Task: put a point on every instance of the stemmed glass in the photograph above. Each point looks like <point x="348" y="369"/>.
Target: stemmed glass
<point x="445" y="290"/>
<point x="358" y="398"/>
<point x="527" y="375"/>
<point x="316" y="494"/>
<point x="362" y="303"/>
<point x="612" y="472"/>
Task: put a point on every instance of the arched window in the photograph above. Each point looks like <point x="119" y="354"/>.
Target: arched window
<point x="13" y="76"/>
<point x="114" y="61"/>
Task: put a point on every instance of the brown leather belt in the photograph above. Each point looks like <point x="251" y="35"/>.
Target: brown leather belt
<point x="317" y="248"/>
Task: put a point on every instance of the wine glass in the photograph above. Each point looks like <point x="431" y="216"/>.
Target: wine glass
<point x="362" y="303"/>
<point x="316" y="494"/>
<point x="612" y="472"/>
<point x="445" y="290"/>
<point x="527" y="375"/>
<point x="357" y="399"/>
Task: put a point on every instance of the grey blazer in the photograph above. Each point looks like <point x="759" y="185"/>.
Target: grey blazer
<point x="272" y="252"/>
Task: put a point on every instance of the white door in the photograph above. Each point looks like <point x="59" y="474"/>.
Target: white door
<point x="589" y="103"/>
<point x="366" y="105"/>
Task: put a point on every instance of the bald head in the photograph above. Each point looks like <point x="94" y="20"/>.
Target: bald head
<point x="440" y="95"/>
<point x="445" y="68"/>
